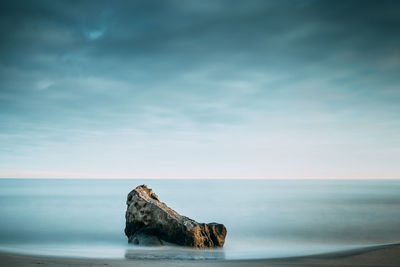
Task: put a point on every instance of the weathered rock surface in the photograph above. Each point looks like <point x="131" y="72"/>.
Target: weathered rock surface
<point x="149" y="221"/>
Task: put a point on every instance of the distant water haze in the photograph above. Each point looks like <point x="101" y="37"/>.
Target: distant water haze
<point x="264" y="218"/>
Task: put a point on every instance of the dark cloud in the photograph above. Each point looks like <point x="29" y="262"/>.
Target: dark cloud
<point x="301" y="30"/>
<point x="143" y="41"/>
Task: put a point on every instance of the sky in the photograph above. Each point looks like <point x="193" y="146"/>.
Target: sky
<point x="200" y="89"/>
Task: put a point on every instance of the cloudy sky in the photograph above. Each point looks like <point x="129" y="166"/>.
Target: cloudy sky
<point x="200" y="89"/>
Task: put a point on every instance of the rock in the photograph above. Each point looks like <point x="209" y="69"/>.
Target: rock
<point x="143" y="238"/>
<point x="148" y="221"/>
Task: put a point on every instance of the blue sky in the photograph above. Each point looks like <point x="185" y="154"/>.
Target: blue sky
<point x="200" y="89"/>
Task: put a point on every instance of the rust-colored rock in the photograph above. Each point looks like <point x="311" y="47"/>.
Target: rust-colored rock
<point x="149" y="221"/>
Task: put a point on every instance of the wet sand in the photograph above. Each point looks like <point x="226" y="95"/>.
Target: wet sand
<point x="379" y="256"/>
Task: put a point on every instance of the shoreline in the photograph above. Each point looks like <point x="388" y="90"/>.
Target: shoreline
<point x="382" y="256"/>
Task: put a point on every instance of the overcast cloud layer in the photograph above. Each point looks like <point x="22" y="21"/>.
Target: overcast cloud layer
<point x="247" y="89"/>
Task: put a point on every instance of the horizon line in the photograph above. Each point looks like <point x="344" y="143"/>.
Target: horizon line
<point x="206" y="178"/>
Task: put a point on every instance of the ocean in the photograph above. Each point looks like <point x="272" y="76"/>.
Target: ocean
<point x="264" y="218"/>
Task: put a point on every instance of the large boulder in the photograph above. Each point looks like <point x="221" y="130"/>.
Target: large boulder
<point x="149" y="221"/>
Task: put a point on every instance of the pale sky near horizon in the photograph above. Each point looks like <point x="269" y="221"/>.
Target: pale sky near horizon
<point x="200" y="89"/>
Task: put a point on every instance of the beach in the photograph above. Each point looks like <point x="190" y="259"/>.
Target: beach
<point x="382" y="256"/>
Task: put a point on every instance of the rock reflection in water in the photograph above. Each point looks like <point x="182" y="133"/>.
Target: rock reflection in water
<point x="173" y="253"/>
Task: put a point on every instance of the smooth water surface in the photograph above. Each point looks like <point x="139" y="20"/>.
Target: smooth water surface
<point x="264" y="218"/>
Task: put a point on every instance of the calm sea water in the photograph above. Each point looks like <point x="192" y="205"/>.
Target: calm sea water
<point x="264" y="218"/>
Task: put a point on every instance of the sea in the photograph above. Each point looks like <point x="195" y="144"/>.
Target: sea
<point x="264" y="218"/>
